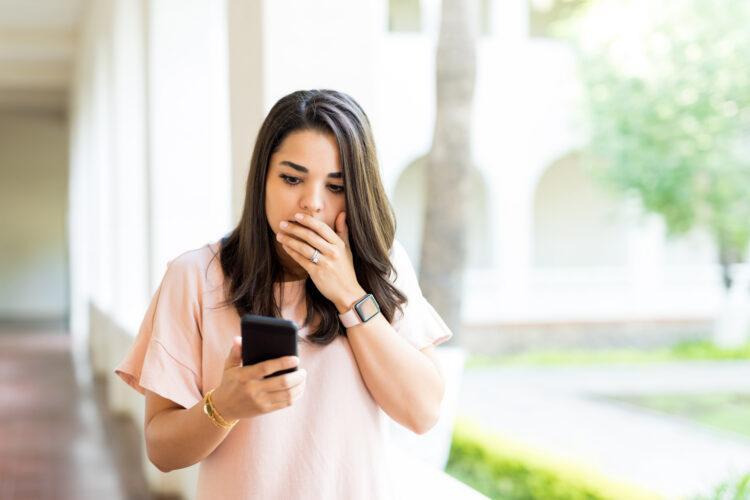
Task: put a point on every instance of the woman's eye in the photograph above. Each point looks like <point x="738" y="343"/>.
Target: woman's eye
<point x="290" y="180"/>
<point x="293" y="181"/>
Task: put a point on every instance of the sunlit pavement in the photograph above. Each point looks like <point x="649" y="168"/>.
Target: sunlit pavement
<point x="559" y="410"/>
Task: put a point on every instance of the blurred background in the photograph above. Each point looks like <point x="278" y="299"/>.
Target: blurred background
<point x="579" y="169"/>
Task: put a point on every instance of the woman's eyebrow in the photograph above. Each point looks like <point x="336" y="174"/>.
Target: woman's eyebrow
<point x="304" y="170"/>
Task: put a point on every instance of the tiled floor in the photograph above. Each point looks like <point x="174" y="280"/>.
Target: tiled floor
<point x="57" y="440"/>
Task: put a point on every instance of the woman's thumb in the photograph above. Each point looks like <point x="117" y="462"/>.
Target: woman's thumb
<point x="235" y="353"/>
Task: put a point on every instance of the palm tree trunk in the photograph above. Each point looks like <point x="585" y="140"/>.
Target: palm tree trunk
<point x="444" y="244"/>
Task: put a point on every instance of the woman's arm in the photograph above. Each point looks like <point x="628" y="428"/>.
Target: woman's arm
<point x="405" y="382"/>
<point x="177" y="437"/>
<point x="408" y="384"/>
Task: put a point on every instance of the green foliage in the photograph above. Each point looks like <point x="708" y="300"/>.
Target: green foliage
<point x="667" y="95"/>
<point x="548" y="19"/>
<point x="706" y="350"/>
<point x="733" y="489"/>
<point x="505" y="470"/>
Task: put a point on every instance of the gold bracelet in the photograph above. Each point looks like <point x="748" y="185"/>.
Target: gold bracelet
<point x="210" y="410"/>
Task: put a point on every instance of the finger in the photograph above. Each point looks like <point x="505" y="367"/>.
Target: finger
<point x="318" y="226"/>
<point x="276" y="405"/>
<point x="300" y="246"/>
<point x="288" y="396"/>
<point x="234" y="358"/>
<point x="341" y="228"/>
<point x="302" y="260"/>
<point x="284" y="382"/>
<point x="307" y="235"/>
<point x="295" y="389"/>
<point x="264" y="368"/>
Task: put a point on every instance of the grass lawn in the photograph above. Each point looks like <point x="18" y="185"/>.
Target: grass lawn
<point x="685" y="351"/>
<point x="727" y="411"/>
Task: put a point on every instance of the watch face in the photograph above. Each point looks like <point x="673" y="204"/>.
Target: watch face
<point x="367" y="308"/>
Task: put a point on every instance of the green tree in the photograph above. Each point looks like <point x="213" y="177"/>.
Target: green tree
<point x="668" y="103"/>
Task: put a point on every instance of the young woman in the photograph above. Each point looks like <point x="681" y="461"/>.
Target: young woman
<point x="316" y="237"/>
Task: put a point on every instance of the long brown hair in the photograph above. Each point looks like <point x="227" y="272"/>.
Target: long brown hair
<point x="248" y="256"/>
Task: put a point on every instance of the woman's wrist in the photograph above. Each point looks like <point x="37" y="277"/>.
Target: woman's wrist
<point x="220" y="408"/>
<point x="345" y="303"/>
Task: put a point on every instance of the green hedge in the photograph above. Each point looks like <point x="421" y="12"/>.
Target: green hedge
<point x="502" y="469"/>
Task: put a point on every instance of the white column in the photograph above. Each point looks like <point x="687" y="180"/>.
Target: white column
<point x="646" y="237"/>
<point x="78" y="224"/>
<point x="129" y="128"/>
<point x="101" y="196"/>
<point x="247" y="90"/>
<point x="514" y="224"/>
<point x="101" y="200"/>
<point x="188" y="117"/>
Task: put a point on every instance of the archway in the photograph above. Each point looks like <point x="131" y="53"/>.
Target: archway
<point x="409" y="205"/>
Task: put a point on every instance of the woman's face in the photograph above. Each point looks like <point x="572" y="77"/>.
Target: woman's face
<point x="304" y="175"/>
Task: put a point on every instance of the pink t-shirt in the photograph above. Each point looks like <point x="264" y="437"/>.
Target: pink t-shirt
<point x="330" y="444"/>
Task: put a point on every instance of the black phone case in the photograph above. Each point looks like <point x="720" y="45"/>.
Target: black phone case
<point x="265" y="337"/>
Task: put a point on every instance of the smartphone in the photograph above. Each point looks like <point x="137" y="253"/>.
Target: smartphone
<point x="266" y="337"/>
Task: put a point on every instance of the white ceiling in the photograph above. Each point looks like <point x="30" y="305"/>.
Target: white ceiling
<point x="37" y="42"/>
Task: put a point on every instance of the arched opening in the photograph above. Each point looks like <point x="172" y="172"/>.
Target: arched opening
<point x="409" y="204"/>
<point x="576" y="223"/>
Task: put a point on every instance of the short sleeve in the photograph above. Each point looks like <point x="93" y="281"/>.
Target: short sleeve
<point x="419" y="323"/>
<point x="165" y="357"/>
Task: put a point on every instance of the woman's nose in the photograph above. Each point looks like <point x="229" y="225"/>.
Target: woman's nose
<point x="312" y="201"/>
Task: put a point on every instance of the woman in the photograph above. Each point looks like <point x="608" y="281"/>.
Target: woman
<point x="316" y="237"/>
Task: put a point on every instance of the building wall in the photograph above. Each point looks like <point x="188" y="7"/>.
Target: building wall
<point x="33" y="203"/>
<point x="564" y="249"/>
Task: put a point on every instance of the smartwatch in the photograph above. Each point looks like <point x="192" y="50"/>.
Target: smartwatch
<point x="362" y="310"/>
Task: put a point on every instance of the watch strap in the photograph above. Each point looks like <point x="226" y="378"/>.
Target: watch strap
<point x="350" y="318"/>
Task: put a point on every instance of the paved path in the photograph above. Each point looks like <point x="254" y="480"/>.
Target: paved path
<point x="560" y="410"/>
<point x="55" y="435"/>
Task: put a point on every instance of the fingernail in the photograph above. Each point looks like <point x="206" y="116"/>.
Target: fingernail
<point x="284" y="223"/>
<point x="298" y="216"/>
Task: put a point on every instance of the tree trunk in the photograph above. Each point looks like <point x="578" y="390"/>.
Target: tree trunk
<point x="449" y="162"/>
